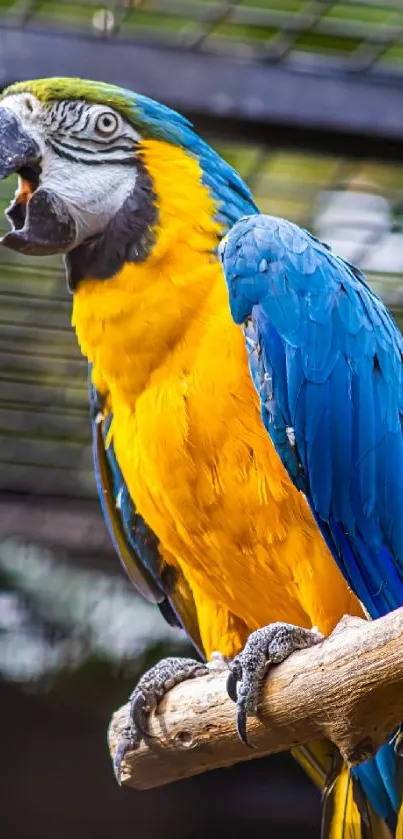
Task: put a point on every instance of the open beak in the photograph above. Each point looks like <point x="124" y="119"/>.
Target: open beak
<point x="41" y="223"/>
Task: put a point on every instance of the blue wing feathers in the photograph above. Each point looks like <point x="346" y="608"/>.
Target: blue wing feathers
<point x="379" y="781"/>
<point x="334" y="357"/>
<point x="364" y="476"/>
<point x="343" y="356"/>
<point x="295" y="378"/>
<point x="340" y="445"/>
<point x="263" y="373"/>
<point x="375" y="783"/>
<point x="316" y="422"/>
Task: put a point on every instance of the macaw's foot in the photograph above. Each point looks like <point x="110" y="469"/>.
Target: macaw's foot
<point x="149" y="691"/>
<point x="269" y="645"/>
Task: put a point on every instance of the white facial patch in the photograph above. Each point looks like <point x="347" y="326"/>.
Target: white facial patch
<point x="85" y="156"/>
<point x="26" y="106"/>
<point x="92" y="194"/>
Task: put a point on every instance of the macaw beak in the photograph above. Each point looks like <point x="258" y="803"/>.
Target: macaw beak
<point x="17" y="147"/>
<point x="41" y="223"/>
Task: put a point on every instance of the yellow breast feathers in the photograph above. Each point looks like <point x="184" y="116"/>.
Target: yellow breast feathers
<point x="187" y="431"/>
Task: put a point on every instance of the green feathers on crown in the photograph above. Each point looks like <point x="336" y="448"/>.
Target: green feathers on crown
<point x="150" y="118"/>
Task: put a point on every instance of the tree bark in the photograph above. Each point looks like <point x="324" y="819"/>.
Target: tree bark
<point x="348" y="689"/>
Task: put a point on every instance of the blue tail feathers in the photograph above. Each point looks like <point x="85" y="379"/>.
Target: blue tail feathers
<point x="379" y="780"/>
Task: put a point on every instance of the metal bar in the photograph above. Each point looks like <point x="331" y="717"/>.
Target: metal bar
<point x="211" y="14"/>
<point x="358" y="115"/>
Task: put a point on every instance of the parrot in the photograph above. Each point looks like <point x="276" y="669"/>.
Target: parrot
<point x="203" y="497"/>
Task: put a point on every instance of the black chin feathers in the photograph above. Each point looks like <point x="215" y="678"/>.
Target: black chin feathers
<point x="128" y="237"/>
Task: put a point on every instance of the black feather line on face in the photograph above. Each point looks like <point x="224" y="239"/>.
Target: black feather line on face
<point x="128" y="237"/>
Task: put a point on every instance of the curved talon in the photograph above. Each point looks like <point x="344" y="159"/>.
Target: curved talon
<point x="241" y="721"/>
<point x="126" y="744"/>
<point x="241" y="725"/>
<point x="232" y="684"/>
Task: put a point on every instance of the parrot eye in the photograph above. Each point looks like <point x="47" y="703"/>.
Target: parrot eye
<point x="106" y="124"/>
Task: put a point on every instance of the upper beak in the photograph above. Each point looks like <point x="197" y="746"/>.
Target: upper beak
<point x="41" y="222"/>
<point x="17" y="147"/>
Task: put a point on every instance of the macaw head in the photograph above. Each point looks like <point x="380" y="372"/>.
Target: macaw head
<point x="85" y="189"/>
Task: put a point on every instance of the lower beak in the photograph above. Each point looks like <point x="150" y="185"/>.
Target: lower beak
<point x="41" y="222"/>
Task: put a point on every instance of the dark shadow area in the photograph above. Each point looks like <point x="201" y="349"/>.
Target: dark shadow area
<point x="57" y="781"/>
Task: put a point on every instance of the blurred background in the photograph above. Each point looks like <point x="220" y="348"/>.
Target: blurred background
<point x="304" y="98"/>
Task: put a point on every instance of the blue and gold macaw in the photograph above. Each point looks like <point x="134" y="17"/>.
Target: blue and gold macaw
<point x="200" y="508"/>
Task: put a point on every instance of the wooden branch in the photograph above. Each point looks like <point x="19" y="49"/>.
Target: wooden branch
<point x="349" y="689"/>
